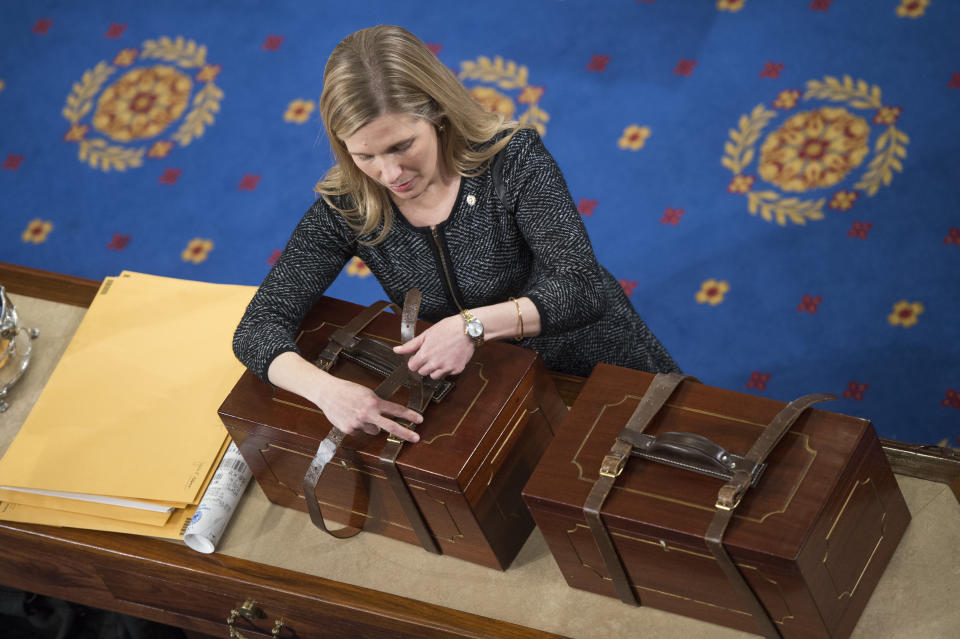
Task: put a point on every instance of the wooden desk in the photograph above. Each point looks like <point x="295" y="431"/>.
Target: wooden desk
<point x="167" y="582"/>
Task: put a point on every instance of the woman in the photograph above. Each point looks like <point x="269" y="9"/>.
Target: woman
<point x="413" y="196"/>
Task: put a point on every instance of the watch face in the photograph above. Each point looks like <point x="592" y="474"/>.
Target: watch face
<point x="474" y="329"/>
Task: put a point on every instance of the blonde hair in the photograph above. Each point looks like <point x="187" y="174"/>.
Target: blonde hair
<point x="386" y="69"/>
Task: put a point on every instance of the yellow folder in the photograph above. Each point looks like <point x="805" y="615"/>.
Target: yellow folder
<point x="130" y="409"/>
<point x="74" y="506"/>
<point x="77" y="504"/>
<point x="173" y="529"/>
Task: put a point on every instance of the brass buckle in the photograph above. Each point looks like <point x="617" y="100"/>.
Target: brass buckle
<point x="394" y="439"/>
<point x="613" y="465"/>
<point x="729" y="496"/>
<point x="323" y="363"/>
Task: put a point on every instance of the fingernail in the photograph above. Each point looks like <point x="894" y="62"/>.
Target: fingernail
<point x="416" y="438"/>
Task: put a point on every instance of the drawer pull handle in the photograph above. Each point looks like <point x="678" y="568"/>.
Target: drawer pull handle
<point x="250" y="611"/>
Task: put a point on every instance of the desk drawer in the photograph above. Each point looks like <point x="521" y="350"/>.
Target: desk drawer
<point x="171" y="584"/>
<point x="211" y="605"/>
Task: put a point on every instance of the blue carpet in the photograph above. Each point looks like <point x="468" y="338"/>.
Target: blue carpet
<point x="774" y="182"/>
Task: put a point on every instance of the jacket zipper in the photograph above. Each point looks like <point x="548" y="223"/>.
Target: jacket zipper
<point x="446" y="270"/>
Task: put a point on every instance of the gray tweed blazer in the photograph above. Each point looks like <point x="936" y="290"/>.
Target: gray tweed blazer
<point x="533" y="245"/>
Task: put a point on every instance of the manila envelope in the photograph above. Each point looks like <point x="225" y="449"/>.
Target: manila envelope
<point x="130" y="410"/>
<point x="77" y="504"/>
<point x="173" y="529"/>
<point x="107" y="511"/>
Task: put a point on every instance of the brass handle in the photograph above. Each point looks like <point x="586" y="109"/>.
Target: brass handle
<point x="250" y="611"/>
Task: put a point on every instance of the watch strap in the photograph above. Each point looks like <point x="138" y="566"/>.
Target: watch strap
<point x="469" y="318"/>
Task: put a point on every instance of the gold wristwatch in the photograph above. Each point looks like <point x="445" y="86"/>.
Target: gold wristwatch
<point x="472" y="327"/>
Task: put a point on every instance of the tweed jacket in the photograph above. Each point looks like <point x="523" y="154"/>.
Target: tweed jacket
<point x="483" y="253"/>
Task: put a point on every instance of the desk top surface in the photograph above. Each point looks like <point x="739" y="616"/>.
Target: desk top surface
<point x="910" y="600"/>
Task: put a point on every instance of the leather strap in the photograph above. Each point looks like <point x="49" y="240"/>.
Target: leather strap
<point x="325" y="452"/>
<point x="728" y="499"/>
<point x="732" y="493"/>
<point x="345" y="339"/>
<point x="659" y="391"/>
<point x="375" y="355"/>
<point x="416" y="400"/>
<point x="340" y="339"/>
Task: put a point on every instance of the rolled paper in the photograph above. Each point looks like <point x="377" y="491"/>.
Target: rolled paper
<point x="218" y="502"/>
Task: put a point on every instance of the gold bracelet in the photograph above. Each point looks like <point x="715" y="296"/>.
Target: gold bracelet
<point x="519" y="317"/>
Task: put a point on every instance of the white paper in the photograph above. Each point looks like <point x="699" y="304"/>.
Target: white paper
<point x="218" y="502"/>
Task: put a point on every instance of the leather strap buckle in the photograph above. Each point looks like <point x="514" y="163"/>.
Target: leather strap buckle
<point x="394" y="439"/>
<point x="733" y="491"/>
<point x="729" y="496"/>
<point x="323" y="363"/>
<point x="613" y="465"/>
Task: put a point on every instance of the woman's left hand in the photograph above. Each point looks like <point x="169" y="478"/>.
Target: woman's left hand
<point x="442" y="349"/>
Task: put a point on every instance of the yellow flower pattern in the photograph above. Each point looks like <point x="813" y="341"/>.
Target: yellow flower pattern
<point x="905" y="313"/>
<point x="912" y="8"/>
<point x="126" y="57"/>
<point x="814" y="149"/>
<point x="634" y="137"/>
<point x="160" y="149"/>
<point x="787" y="99"/>
<point x="357" y="268"/>
<point x="197" y="250"/>
<point x="888" y="115"/>
<point x="531" y="95"/>
<point x="118" y="110"/>
<point x="299" y="111"/>
<point x="142" y="103"/>
<point x="208" y="73"/>
<point x="37" y="231"/>
<point x="730" y="5"/>
<point x="508" y="76"/>
<point x="76" y="133"/>
<point x="493" y="100"/>
<point x="843" y="200"/>
<point x="740" y="183"/>
<point x="712" y="292"/>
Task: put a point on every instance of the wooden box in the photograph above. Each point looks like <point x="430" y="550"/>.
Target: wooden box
<point x="478" y="445"/>
<point x="812" y="538"/>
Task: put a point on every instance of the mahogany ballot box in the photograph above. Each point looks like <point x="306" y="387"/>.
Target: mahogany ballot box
<point x="810" y="538"/>
<point x="478" y="445"/>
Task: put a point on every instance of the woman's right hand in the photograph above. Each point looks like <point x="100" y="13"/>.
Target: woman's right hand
<point x="351" y="407"/>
